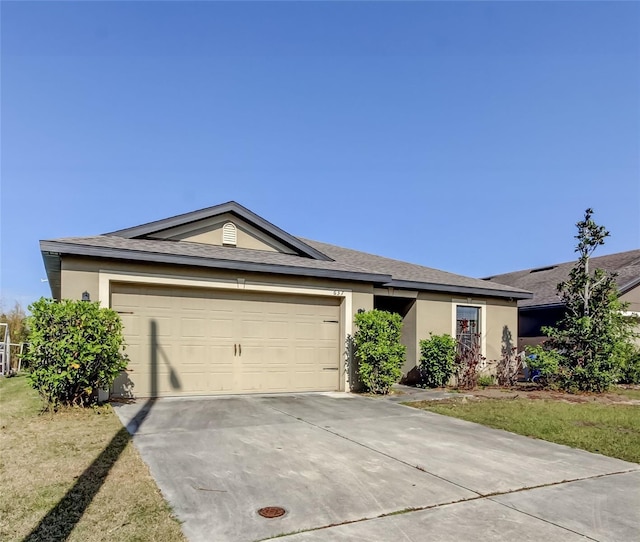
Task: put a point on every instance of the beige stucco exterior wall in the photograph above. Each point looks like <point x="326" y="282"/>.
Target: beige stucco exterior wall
<point x="409" y="338"/>
<point x="502" y="329"/>
<point x="435" y="313"/>
<point x="633" y="298"/>
<point x="431" y="312"/>
<point x="78" y="276"/>
<point x="209" y="231"/>
<point x="83" y="274"/>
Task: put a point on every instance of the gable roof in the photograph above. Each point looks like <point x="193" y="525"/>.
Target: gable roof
<point x="312" y="258"/>
<point x="145" y="230"/>
<point x="543" y="281"/>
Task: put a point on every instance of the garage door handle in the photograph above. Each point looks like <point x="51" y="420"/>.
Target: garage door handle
<point x="329" y="368"/>
<point x="235" y="349"/>
<point x="239" y="349"/>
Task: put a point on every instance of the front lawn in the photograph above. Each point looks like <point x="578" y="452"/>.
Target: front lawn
<point x="74" y="473"/>
<point x="609" y="429"/>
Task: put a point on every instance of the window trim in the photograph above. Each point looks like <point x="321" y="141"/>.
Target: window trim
<point x="482" y="314"/>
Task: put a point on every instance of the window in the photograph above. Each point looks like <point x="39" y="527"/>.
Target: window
<point x="467" y="325"/>
<point x="229" y="234"/>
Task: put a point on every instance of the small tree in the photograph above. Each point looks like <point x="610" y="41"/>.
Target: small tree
<point x="17" y="323"/>
<point x="378" y="350"/>
<point x="437" y="360"/>
<point x="75" y="349"/>
<point x="593" y="329"/>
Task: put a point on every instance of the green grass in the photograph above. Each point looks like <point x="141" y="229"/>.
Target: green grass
<point x="75" y="471"/>
<point x="608" y="429"/>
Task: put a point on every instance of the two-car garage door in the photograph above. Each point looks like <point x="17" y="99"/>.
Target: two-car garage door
<point x="184" y="341"/>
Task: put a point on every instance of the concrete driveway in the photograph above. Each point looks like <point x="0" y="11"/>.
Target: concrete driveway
<point x="349" y="468"/>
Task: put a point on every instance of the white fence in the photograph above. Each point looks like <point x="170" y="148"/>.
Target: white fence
<point x="10" y="353"/>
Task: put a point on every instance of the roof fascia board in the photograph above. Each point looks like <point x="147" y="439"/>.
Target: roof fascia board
<point x="196" y="261"/>
<point x="458" y="289"/>
<point x="209" y="212"/>
<point x="629" y="286"/>
<point x="542" y="307"/>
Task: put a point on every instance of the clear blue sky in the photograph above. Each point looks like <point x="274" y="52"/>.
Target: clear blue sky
<point x="466" y="136"/>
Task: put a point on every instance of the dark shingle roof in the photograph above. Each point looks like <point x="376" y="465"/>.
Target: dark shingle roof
<point x="187" y="252"/>
<point x="312" y="258"/>
<point x="342" y="263"/>
<point x="405" y="271"/>
<point x="543" y="281"/>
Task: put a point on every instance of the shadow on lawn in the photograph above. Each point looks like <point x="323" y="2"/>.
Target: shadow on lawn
<point x="60" y="521"/>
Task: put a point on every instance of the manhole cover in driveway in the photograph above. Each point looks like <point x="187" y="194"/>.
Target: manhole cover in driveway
<point x="272" y="512"/>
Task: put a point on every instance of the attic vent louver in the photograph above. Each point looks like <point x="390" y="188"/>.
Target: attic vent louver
<point x="229" y="234"/>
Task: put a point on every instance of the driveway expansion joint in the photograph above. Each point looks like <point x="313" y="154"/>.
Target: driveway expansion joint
<point x="479" y="496"/>
<point x="511" y="507"/>
<point x="488" y="497"/>
<point x="417" y="467"/>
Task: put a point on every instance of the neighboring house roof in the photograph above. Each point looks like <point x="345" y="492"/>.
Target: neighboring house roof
<point x="312" y="258"/>
<point x="543" y="281"/>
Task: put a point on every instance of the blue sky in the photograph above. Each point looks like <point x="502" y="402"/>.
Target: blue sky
<point x="466" y="136"/>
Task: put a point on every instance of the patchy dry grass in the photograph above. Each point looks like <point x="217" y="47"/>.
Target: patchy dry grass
<point x="629" y="392"/>
<point x="609" y="429"/>
<point x="75" y="471"/>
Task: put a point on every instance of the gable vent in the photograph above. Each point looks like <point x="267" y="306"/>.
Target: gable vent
<point x="229" y="234"/>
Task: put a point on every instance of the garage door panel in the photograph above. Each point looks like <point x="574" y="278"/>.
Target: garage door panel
<point x="166" y="302"/>
<point x="325" y="357"/>
<point x="194" y="328"/>
<point x="276" y="330"/>
<point x="305" y="331"/>
<point x="161" y="326"/>
<point x="284" y="339"/>
<point x="251" y="381"/>
<point x="221" y="328"/>
<point x="193" y="357"/>
<point x="196" y="383"/>
<point x="220" y="383"/>
<point x="252" y="329"/>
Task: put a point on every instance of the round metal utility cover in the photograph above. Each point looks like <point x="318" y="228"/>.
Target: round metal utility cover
<point x="272" y="512"/>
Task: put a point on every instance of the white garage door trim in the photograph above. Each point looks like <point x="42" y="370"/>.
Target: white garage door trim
<point x="105" y="278"/>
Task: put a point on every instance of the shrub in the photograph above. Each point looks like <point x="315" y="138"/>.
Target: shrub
<point x="628" y="356"/>
<point x="378" y="350"/>
<point x="75" y="349"/>
<point x="486" y="380"/>
<point x="468" y="358"/>
<point x="546" y="362"/>
<point x="437" y="359"/>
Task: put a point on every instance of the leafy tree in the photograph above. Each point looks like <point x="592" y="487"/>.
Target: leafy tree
<point x="75" y="349"/>
<point x="593" y="330"/>
<point x="437" y="360"/>
<point x="378" y="350"/>
<point x="17" y="320"/>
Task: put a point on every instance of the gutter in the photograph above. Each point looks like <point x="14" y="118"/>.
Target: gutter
<point x="54" y="247"/>
<point x="449" y="288"/>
